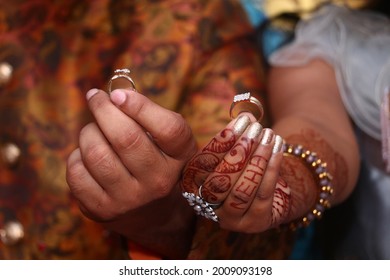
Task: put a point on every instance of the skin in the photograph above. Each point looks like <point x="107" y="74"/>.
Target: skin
<point x="132" y="181"/>
<point x="126" y="178"/>
<point x="307" y="109"/>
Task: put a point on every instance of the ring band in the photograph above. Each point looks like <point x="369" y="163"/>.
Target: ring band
<point x="201" y="206"/>
<point x="212" y="205"/>
<point x="121" y="79"/>
<point x="246" y="103"/>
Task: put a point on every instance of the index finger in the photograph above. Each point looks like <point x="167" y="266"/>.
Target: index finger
<point x="169" y="130"/>
<point x="129" y="140"/>
<point x="205" y="162"/>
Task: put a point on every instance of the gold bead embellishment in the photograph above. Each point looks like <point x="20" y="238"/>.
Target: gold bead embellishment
<point x="323" y="178"/>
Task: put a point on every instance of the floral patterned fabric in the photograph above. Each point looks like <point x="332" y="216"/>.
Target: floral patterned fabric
<point x="189" y="56"/>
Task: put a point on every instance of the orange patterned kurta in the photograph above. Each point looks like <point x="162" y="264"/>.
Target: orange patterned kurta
<point x="190" y="56"/>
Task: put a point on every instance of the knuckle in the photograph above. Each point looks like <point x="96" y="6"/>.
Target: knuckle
<point x="102" y="161"/>
<point x="162" y="186"/>
<point x="96" y="208"/>
<point x="94" y="154"/>
<point x="75" y="175"/>
<point x="85" y="130"/>
<point x="129" y="139"/>
<point x="138" y="105"/>
<point x="262" y="195"/>
<point x="104" y="210"/>
<point x="265" y="192"/>
<point x="76" y="190"/>
<point x="177" y="128"/>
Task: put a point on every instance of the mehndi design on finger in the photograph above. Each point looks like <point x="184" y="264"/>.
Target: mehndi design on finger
<point x="281" y="202"/>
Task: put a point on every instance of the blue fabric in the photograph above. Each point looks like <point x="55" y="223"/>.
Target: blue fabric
<point x="272" y="38"/>
<point x="305" y="247"/>
<point x="255" y="14"/>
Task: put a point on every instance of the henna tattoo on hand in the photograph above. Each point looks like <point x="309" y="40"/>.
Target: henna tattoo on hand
<point x="281" y="202"/>
<point x="250" y="181"/>
<point x="237" y="158"/>
<point x="221" y="143"/>
<point x="296" y="173"/>
<point x="242" y="195"/>
<point x="298" y="176"/>
<point x="202" y="164"/>
<point x="204" y="161"/>
<point x="216" y="185"/>
<point x="256" y="168"/>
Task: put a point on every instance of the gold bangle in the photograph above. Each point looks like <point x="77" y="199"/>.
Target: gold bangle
<point x="323" y="178"/>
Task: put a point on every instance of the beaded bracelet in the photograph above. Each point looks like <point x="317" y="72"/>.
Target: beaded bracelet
<point x="323" y="178"/>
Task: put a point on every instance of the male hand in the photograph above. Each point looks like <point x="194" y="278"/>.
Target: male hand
<point x="128" y="164"/>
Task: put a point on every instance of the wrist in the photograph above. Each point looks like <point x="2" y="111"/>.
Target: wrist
<point x="312" y="182"/>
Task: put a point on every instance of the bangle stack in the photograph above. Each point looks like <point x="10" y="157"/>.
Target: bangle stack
<point x="323" y="178"/>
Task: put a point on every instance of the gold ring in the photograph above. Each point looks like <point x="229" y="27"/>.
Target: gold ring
<point x="246" y="103"/>
<point x="121" y="79"/>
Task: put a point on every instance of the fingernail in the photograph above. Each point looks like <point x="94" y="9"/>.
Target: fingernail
<point x="241" y="124"/>
<point x="278" y="144"/>
<point x="267" y="136"/>
<point x="91" y="93"/>
<point x="254" y="130"/>
<point x="118" y="97"/>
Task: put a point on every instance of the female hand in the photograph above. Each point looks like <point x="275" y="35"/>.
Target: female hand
<point x="237" y="173"/>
